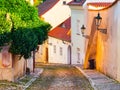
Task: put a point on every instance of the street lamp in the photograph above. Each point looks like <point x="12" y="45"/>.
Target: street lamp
<point x="83" y="32"/>
<point x="83" y="29"/>
<point x="98" y="20"/>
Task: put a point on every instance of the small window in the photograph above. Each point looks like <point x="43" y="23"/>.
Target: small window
<point x="78" y="27"/>
<point x="77" y="0"/>
<point x="54" y="49"/>
<point x="64" y="2"/>
<point x="78" y="55"/>
<point x="61" y="51"/>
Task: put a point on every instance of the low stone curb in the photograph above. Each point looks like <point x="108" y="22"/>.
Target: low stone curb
<point x="86" y="77"/>
<point x="99" y="81"/>
<point x="35" y="76"/>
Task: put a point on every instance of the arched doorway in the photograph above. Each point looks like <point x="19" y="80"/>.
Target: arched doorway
<point x="69" y="54"/>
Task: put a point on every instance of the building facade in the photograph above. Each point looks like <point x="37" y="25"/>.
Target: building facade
<point x="77" y="41"/>
<point x="54" y="12"/>
<point x="59" y="43"/>
<point x="106" y="50"/>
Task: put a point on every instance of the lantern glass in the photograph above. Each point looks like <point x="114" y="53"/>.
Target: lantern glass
<point x="98" y="20"/>
<point x="83" y="29"/>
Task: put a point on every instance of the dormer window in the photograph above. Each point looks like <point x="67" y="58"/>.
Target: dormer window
<point x="64" y="2"/>
<point x="77" y="0"/>
<point x="62" y="25"/>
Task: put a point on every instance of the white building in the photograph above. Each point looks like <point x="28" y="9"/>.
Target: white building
<point x="104" y="47"/>
<point x="54" y="12"/>
<point x="77" y="41"/>
<point x="59" y="48"/>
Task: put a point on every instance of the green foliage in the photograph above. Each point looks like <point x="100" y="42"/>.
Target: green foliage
<point x="21" y="27"/>
<point x="42" y="32"/>
<point x="5" y="27"/>
<point x="24" y="41"/>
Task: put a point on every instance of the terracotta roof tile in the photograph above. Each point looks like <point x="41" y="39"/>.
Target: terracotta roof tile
<point x="100" y="4"/>
<point x="77" y="3"/>
<point x="62" y="33"/>
<point x="66" y="23"/>
<point x="47" y="5"/>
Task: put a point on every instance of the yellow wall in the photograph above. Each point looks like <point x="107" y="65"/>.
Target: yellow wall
<point x="41" y="54"/>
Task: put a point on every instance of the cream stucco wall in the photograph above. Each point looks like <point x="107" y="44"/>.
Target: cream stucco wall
<point x="56" y="57"/>
<point x="30" y="63"/>
<point x="57" y="14"/>
<point x="107" y="51"/>
<point x="118" y="39"/>
<point x="41" y="55"/>
<point x="77" y="20"/>
<point x="19" y="67"/>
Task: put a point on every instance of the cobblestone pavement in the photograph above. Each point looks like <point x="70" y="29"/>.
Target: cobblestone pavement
<point x="60" y="77"/>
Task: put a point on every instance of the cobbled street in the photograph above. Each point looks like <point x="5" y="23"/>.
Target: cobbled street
<point x="60" y="77"/>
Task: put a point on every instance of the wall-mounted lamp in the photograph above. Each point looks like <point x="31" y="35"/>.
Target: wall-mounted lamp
<point x="83" y="32"/>
<point x="98" y="20"/>
<point x="63" y="42"/>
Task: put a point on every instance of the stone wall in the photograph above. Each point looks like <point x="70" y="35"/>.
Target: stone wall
<point x="11" y="68"/>
<point x="19" y="67"/>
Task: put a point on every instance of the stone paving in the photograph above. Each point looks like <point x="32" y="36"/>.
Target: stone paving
<point x="60" y="77"/>
<point x="99" y="81"/>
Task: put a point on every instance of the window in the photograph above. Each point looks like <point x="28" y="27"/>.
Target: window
<point x="54" y="49"/>
<point x="77" y="0"/>
<point x="64" y="2"/>
<point x="78" y="55"/>
<point x="78" y="27"/>
<point x="61" y="51"/>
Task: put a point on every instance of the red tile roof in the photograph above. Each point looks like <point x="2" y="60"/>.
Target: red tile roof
<point x="47" y="5"/>
<point x="77" y="3"/>
<point x="62" y="33"/>
<point x="100" y="4"/>
<point x="67" y="23"/>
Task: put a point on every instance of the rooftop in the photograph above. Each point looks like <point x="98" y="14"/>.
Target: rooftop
<point x="77" y="2"/>
<point x="100" y="4"/>
<point x="62" y="31"/>
<point x="47" y="5"/>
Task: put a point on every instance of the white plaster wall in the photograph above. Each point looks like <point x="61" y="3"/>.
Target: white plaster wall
<point x="30" y="63"/>
<point x="57" y="14"/>
<point x="108" y="58"/>
<point x="77" y="13"/>
<point x="111" y="59"/>
<point x="118" y="41"/>
<point x="56" y="57"/>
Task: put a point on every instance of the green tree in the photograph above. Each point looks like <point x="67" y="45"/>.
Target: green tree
<point x="20" y="27"/>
